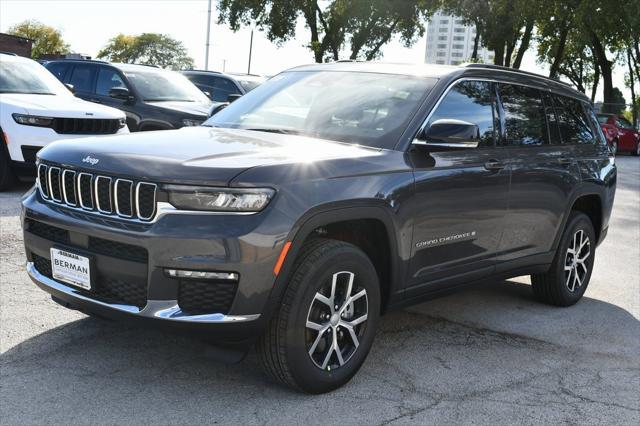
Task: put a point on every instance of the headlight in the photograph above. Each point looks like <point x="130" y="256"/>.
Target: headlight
<point x="122" y="122"/>
<point x="204" y="198"/>
<point x="187" y="122"/>
<point x="33" y="120"/>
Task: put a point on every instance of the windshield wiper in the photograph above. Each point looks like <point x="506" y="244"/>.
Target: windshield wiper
<point x="275" y="130"/>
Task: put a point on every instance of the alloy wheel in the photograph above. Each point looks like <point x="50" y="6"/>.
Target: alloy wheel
<point x="575" y="264"/>
<point x="336" y="321"/>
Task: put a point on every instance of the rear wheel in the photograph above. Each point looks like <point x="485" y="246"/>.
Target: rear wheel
<point x="637" y="152"/>
<point x="614" y="147"/>
<point x="325" y="327"/>
<point x="567" y="279"/>
<point x="7" y="175"/>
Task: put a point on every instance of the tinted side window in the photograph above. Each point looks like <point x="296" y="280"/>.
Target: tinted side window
<point x="222" y="88"/>
<point x="473" y="102"/>
<point x="552" y="120"/>
<point x="595" y="125"/>
<point x="82" y="78"/>
<point x="574" y="125"/>
<point x="524" y="116"/>
<point x="107" y="80"/>
<point x="59" y="70"/>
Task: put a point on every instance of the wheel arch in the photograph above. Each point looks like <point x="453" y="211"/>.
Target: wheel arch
<point x="589" y="203"/>
<point x="346" y="223"/>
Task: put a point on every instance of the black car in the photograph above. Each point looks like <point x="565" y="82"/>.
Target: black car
<point x="324" y="198"/>
<point x="221" y="87"/>
<point x="152" y="98"/>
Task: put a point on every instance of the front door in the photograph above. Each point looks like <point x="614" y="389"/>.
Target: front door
<point x="461" y="196"/>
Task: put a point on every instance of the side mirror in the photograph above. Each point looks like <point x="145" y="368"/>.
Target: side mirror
<point x="234" y="97"/>
<point x="207" y="94"/>
<point x="70" y="87"/>
<point x="450" y="133"/>
<point x="120" y="93"/>
<point x="217" y="107"/>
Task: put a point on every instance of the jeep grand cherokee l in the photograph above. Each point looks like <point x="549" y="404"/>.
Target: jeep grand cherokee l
<point x="327" y="196"/>
<point x="36" y="109"/>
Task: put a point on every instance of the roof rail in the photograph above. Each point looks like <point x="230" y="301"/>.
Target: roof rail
<point x="502" y="68"/>
<point x="8" y="53"/>
<point x="198" y="70"/>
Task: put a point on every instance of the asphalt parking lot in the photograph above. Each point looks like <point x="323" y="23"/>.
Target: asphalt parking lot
<point x="489" y="355"/>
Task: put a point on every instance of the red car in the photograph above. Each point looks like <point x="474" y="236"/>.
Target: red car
<point x="620" y="133"/>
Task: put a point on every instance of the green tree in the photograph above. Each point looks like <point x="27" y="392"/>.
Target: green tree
<point x="504" y="26"/>
<point x="364" y="25"/>
<point x="46" y="39"/>
<point x="618" y="103"/>
<point x="148" y="49"/>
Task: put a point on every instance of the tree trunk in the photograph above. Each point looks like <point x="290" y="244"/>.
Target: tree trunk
<point x="562" y="42"/>
<point x="511" y="45"/>
<point x="315" y="46"/>
<point x="524" y="44"/>
<point x="374" y="52"/>
<point x="476" y="43"/>
<point x="596" y="81"/>
<point x="605" y="69"/>
<point x="498" y="58"/>
<point x="634" y="111"/>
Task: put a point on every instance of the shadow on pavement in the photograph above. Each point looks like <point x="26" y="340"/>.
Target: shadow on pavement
<point x="492" y="345"/>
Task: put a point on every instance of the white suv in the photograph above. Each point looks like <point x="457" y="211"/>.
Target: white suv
<point x="36" y="109"/>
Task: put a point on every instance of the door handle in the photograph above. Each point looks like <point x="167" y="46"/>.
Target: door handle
<point x="564" y="161"/>
<point x="494" y="165"/>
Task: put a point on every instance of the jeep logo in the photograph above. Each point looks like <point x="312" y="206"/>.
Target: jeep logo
<point x="89" y="159"/>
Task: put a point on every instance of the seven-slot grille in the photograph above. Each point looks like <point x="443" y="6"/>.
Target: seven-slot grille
<point x="86" y="126"/>
<point x="97" y="193"/>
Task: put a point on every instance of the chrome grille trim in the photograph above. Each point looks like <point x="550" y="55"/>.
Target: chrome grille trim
<point x="155" y="190"/>
<point x="82" y="202"/>
<point x="115" y="191"/>
<point x="50" y="180"/>
<point x="65" y="196"/>
<point x="42" y="172"/>
<point x="92" y="184"/>
<point x="96" y="195"/>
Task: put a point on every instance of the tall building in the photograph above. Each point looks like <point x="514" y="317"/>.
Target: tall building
<point x="450" y="41"/>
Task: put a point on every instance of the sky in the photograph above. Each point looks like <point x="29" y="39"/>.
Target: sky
<point x="87" y="25"/>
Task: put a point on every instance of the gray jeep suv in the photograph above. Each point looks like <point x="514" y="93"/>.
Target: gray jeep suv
<point x="297" y="216"/>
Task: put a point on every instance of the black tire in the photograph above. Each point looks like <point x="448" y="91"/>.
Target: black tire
<point x="614" y="147"/>
<point x="7" y="175"/>
<point x="637" y="151"/>
<point x="558" y="286"/>
<point x="284" y="350"/>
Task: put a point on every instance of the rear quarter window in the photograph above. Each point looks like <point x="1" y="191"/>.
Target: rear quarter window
<point x="575" y="127"/>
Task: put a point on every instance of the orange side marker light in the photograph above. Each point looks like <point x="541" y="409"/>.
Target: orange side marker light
<point x="281" y="258"/>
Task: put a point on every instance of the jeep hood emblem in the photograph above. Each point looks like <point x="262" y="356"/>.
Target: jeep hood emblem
<point x="89" y="159"/>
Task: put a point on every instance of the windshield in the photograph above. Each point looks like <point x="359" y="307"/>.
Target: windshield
<point x="354" y="107"/>
<point x="29" y="77"/>
<point x="158" y="85"/>
<point x="248" y="85"/>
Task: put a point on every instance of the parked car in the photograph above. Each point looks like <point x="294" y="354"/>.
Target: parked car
<point x="620" y="133"/>
<point x="152" y="98"/>
<point x="36" y="109"/>
<point x="324" y="198"/>
<point x="221" y="87"/>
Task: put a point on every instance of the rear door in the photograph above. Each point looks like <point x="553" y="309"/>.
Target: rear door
<point x="460" y="197"/>
<point x="544" y="174"/>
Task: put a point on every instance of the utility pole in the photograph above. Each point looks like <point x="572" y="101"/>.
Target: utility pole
<point x="206" y="54"/>
<point x="250" y="51"/>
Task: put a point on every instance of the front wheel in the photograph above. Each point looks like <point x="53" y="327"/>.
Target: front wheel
<point x="614" y="147"/>
<point x="567" y="279"/>
<point x="324" y="329"/>
<point x="637" y="152"/>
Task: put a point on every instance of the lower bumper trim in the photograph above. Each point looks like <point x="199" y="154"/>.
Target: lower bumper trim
<point x="164" y="310"/>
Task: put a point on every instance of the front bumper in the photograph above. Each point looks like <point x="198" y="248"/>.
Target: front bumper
<point x="230" y="243"/>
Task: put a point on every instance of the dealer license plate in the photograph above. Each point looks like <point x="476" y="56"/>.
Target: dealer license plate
<point x="71" y="268"/>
